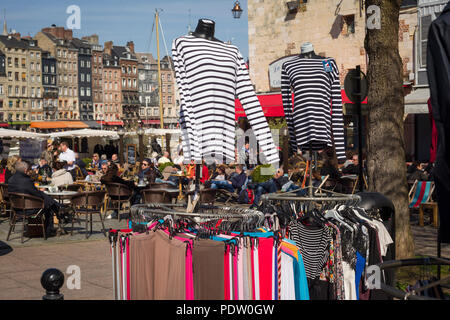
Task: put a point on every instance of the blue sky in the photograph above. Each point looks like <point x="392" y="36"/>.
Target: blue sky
<point x="125" y="20"/>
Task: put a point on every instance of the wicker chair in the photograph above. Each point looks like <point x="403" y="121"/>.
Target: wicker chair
<point x="118" y="194"/>
<point x="207" y="196"/>
<point x="89" y="203"/>
<point x="26" y="206"/>
<point x="156" y="196"/>
<point x="4" y="199"/>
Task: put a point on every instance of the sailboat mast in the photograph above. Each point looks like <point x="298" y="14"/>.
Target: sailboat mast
<point x="159" y="72"/>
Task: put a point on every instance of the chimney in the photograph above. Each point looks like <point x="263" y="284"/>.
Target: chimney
<point x="68" y="34"/>
<point x="130" y="45"/>
<point x="16" y="35"/>
<point x="108" y="47"/>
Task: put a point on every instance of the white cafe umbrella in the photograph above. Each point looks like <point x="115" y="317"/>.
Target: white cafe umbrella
<point x="17" y="134"/>
<point x="86" y="133"/>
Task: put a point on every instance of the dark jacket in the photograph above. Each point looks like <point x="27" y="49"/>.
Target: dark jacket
<point x="279" y="182"/>
<point x="116" y="179"/>
<point x="238" y="180"/>
<point x="45" y="170"/>
<point x="350" y="169"/>
<point x="22" y="183"/>
<point x="438" y="69"/>
<point x="334" y="172"/>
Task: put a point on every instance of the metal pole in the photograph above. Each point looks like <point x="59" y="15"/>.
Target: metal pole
<point x="159" y="77"/>
<point x="121" y="149"/>
<point x="358" y="106"/>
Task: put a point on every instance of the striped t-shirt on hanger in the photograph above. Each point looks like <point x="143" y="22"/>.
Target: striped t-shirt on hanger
<point x="210" y="75"/>
<point x="316" y="119"/>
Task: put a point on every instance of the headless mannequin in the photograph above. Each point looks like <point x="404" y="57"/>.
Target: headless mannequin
<point x="307" y="52"/>
<point x="205" y="29"/>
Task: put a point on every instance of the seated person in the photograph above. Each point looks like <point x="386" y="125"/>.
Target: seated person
<point x="60" y="176"/>
<point x="353" y="167"/>
<point x="98" y="175"/>
<point x="273" y="185"/>
<point x="417" y="172"/>
<point x="167" y="176"/>
<point x="165" y="158"/>
<point x="115" y="159"/>
<point x="219" y="174"/>
<point x="20" y="182"/>
<point x="330" y="165"/>
<point x="43" y="168"/>
<point x="235" y="182"/>
<point x="148" y="171"/>
<point x="190" y="170"/>
<point x="80" y="163"/>
<point x="111" y="176"/>
<point x="95" y="164"/>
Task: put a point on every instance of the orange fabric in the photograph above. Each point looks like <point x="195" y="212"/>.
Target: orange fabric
<point x="59" y="125"/>
<point x="190" y="171"/>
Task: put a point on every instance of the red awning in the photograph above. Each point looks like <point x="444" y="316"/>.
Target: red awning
<point x="272" y="105"/>
<point x="110" y="123"/>
<point x="151" y="121"/>
<point x="2" y="125"/>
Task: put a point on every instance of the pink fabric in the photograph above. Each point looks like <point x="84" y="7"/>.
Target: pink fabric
<point x="235" y="274"/>
<point x="253" y="274"/>
<point x="189" y="273"/>
<point x="265" y="253"/>
<point x="128" y="268"/>
<point x="226" y="265"/>
<point x="241" y="270"/>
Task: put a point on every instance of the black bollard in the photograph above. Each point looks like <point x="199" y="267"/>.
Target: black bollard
<point x="52" y="280"/>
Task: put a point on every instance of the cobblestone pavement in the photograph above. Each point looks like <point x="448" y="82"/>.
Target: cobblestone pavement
<point x="21" y="265"/>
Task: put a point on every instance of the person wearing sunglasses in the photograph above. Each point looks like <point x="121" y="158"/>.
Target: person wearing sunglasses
<point x="149" y="171"/>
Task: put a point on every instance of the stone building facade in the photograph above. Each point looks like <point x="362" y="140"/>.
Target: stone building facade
<point x="148" y="87"/>
<point x="16" y="109"/>
<point x="168" y="85"/>
<point x="57" y="41"/>
<point x="335" y="28"/>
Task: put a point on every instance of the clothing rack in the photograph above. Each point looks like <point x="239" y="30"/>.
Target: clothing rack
<point x="314" y="195"/>
<point x="148" y="212"/>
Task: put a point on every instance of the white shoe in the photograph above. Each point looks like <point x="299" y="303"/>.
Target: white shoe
<point x="112" y="216"/>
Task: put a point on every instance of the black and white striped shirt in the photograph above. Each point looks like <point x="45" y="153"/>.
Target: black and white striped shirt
<point x="313" y="244"/>
<point x="209" y="75"/>
<point x="317" y="114"/>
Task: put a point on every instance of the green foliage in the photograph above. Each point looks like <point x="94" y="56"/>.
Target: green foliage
<point x="266" y="175"/>
<point x="276" y="122"/>
<point x="162" y="166"/>
<point x="87" y="161"/>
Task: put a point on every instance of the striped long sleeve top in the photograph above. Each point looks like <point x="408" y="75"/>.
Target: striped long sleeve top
<point x="315" y="118"/>
<point x="210" y="75"/>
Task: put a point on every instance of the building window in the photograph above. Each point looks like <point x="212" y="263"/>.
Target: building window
<point x="349" y="24"/>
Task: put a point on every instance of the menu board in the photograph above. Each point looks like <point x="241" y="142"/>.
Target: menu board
<point x="131" y="153"/>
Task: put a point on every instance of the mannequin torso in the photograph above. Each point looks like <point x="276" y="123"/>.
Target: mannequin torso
<point x="205" y="29"/>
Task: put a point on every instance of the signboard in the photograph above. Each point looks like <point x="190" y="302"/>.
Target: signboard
<point x="275" y="71"/>
<point x="351" y="85"/>
<point x="131" y="154"/>
<point x="31" y="149"/>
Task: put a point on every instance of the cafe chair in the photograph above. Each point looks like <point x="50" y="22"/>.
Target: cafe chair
<point x="160" y="185"/>
<point x="5" y="206"/>
<point x="26" y="207"/>
<point x="89" y="203"/>
<point x="118" y="194"/>
<point x="207" y="196"/>
<point x="421" y="197"/>
<point x="156" y="196"/>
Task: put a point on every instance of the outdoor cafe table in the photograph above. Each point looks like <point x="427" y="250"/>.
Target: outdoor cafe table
<point x="180" y="180"/>
<point x="61" y="195"/>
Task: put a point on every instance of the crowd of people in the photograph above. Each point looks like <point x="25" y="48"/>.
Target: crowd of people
<point x="61" y="166"/>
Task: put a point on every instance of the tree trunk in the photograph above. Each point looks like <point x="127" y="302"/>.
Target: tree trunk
<point x="386" y="163"/>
